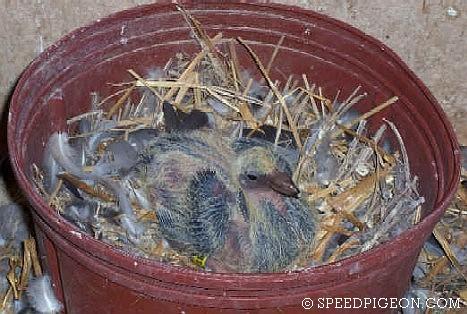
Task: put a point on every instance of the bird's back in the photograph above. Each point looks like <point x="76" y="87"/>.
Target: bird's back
<point x="187" y="181"/>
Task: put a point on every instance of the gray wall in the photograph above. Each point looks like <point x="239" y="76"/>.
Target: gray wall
<point x="429" y="35"/>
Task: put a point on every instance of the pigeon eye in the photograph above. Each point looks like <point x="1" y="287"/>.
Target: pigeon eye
<point x="252" y="176"/>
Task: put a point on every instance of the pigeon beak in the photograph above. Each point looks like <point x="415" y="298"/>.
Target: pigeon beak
<point x="282" y="183"/>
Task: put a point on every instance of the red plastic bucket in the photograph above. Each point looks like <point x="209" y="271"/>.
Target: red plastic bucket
<point x="92" y="277"/>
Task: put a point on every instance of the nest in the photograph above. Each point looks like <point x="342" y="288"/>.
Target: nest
<point x="360" y="183"/>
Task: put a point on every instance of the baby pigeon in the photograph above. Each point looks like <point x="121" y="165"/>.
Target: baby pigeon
<point x="232" y="201"/>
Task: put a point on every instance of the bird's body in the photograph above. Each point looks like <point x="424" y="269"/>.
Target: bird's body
<point x="232" y="201"/>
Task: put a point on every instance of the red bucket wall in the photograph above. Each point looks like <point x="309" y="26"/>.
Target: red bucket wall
<point x="92" y="277"/>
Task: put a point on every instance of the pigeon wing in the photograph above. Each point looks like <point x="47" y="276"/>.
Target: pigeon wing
<point x="209" y="201"/>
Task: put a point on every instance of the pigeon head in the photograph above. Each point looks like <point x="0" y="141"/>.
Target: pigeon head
<point x="260" y="169"/>
<point x="273" y="224"/>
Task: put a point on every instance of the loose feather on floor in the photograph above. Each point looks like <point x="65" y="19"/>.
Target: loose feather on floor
<point x="41" y="296"/>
